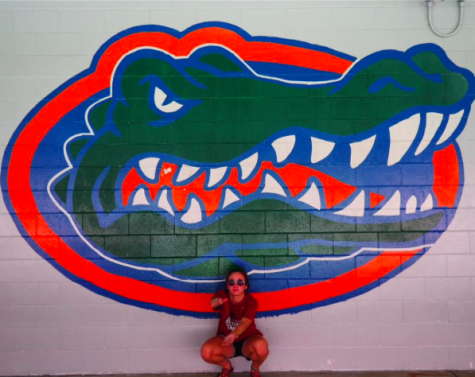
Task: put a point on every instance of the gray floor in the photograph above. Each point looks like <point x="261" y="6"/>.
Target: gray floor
<point x="452" y="373"/>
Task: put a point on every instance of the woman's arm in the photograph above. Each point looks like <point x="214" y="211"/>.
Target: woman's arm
<point x="243" y="325"/>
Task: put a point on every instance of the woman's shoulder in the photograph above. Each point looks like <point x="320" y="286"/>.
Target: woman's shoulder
<point x="250" y="298"/>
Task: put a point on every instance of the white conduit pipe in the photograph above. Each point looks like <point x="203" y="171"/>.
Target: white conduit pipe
<point x="430" y="3"/>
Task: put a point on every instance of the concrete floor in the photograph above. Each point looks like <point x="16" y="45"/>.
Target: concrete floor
<point x="452" y="373"/>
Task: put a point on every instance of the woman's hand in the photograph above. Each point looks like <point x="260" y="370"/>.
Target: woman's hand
<point x="216" y="301"/>
<point x="229" y="339"/>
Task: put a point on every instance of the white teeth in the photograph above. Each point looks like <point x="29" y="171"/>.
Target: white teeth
<point x="149" y="167"/>
<point x="360" y="150"/>
<point x="402" y="135"/>
<point x="312" y="197"/>
<point x="454" y="120"/>
<point x="159" y="98"/>
<point x="248" y="165"/>
<point x="229" y="198"/>
<point x="283" y="147"/>
<point x="320" y="149"/>
<point x="140" y="198"/>
<point x="193" y="215"/>
<point x="271" y="186"/>
<point x="428" y="204"/>
<point x="411" y="205"/>
<point x="215" y="175"/>
<point x="433" y="122"/>
<point x="392" y="206"/>
<point x="186" y="172"/>
<point x="355" y="208"/>
<point x="164" y="204"/>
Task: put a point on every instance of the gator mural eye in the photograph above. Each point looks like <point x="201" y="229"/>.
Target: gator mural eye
<point x="187" y="154"/>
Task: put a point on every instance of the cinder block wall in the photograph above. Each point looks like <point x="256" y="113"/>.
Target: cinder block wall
<point x="423" y="318"/>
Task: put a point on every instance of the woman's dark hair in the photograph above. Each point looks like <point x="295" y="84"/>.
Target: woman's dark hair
<point x="241" y="271"/>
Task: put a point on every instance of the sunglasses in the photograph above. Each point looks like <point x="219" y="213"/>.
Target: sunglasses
<point x="239" y="282"/>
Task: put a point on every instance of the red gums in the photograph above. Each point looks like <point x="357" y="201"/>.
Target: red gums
<point x="294" y="176"/>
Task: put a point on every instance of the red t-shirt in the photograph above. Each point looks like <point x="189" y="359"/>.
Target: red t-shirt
<point x="230" y="315"/>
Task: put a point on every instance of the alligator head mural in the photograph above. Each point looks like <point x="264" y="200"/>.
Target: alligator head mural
<point x="187" y="153"/>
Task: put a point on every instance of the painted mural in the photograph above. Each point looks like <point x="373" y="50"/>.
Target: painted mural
<point x="178" y="155"/>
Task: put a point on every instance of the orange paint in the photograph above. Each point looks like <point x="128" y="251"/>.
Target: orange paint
<point x="375" y="199"/>
<point x="446" y="176"/>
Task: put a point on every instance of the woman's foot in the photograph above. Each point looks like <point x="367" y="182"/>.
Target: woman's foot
<point x="225" y="372"/>
<point x="255" y="372"/>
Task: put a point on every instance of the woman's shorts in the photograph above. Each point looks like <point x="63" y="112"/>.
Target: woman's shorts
<point x="238" y="348"/>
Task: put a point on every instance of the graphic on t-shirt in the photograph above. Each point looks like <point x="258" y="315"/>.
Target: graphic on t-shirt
<point x="178" y="155"/>
<point x="231" y="324"/>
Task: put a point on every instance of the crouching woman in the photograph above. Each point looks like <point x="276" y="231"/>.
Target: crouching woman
<point x="237" y="333"/>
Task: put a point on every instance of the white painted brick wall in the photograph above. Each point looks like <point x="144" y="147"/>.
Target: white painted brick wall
<point x="422" y="319"/>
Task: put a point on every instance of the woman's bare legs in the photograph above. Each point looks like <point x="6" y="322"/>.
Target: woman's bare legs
<point x="256" y="349"/>
<point x="213" y="352"/>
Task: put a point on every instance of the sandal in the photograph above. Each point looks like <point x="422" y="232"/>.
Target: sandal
<point x="255" y="372"/>
<point x="225" y="372"/>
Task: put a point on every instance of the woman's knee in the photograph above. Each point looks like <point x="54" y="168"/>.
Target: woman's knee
<point x="206" y="352"/>
<point x="261" y="348"/>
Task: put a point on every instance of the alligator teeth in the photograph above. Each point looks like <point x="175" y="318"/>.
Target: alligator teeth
<point x="283" y="147"/>
<point x="402" y="135"/>
<point x="248" y="165"/>
<point x="320" y="149"/>
<point x="149" y="167"/>
<point x="360" y="150"/>
<point x="164" y="204"/>
<point x="428" y="204"/>
<point x="229" y="198"/>
<point x="140" y="198"/>
<point x="355" y="208"/>
<point x="271" y="186"/>
<point x="193" y="215"/>
<point x="186" y="172"/>
<point x="454" y="120"/>
<point x="215" y="175"/>
<point x="433" y="122"/>
<point x="312" y="197"/>
<point x="392" y="206"/>
<point x="411" y="205"/>
<point x="159" y="98"/>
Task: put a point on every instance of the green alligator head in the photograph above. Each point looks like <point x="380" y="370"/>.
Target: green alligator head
<point x="202" y="157"/>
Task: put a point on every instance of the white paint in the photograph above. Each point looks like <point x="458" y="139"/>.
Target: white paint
<point x="271" y="186"/>
<point x="355" y="208"/>
<point x="248" y="165"/>
<point x="149" y="167"/>
<point x="140" y="198"/>
<point x="433" y="121"/>
<point x="229" y="198"/>
<point x="402" y="135"/>
<point x="159" y="98"/>
<point x="215" y="175"/>
<point x="312" y="197"/>
<point x="360" y="150"/>
<point x="320" y="149"/>
<point x="453" y="122"/>
<point x="411" y="205"/>
<point x="164" y="203"/>
<point x="193" y="215"/>
<point x="392" y="206"/>
<point x="283" y="147"/>
<point x="428" y="204"/>
<point x="186" y="172"/>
